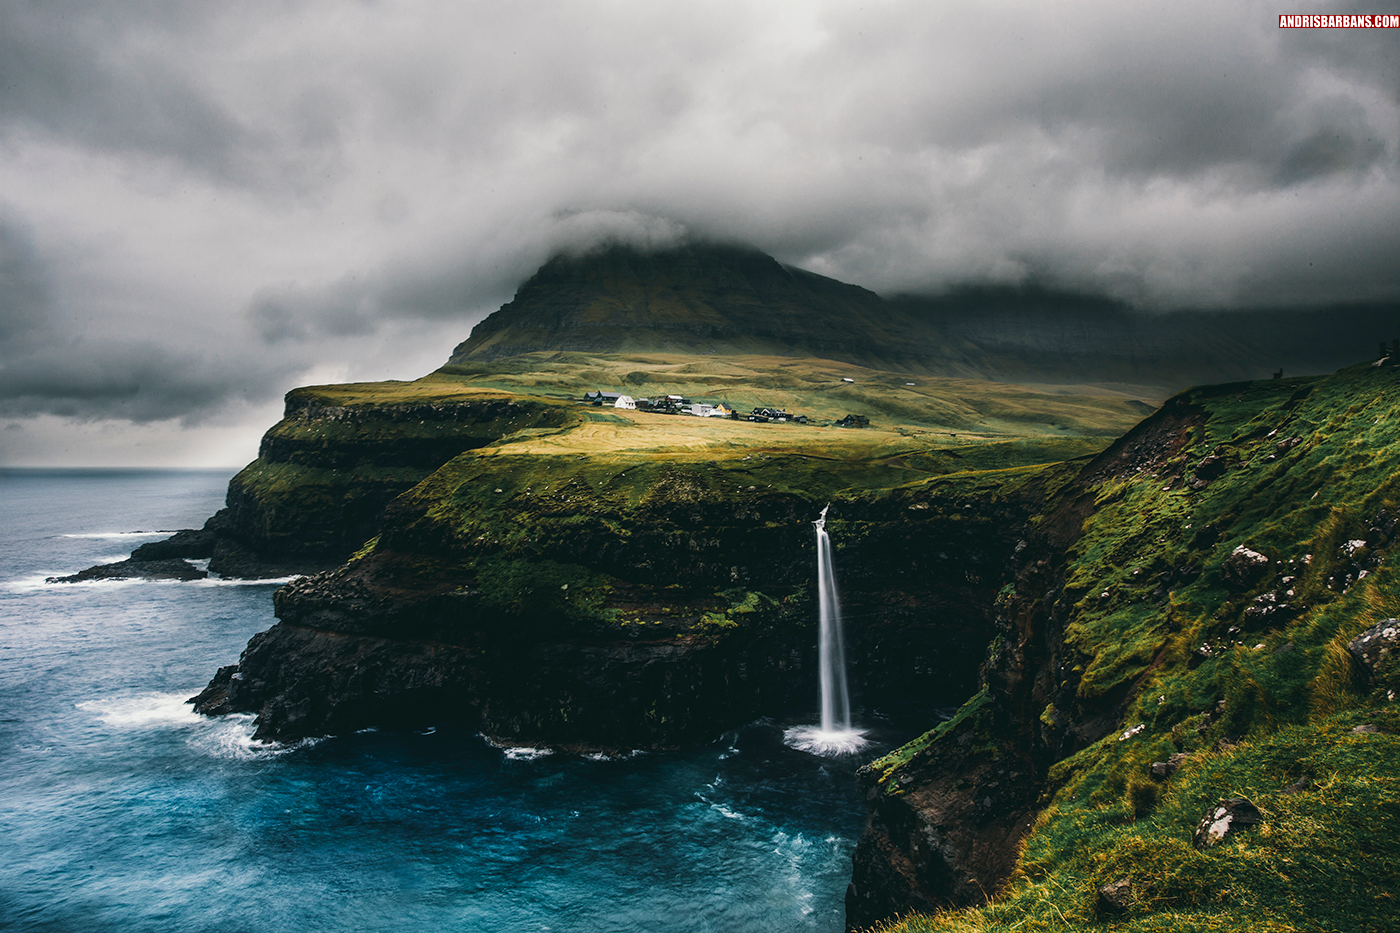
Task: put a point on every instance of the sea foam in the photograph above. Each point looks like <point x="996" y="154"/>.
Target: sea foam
<point x="143" y="710"/>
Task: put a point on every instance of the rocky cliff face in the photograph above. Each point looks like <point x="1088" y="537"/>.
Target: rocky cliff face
<point x="1189" y="593"/>
<point x="659" y="624"/>
<point x="328" y="470"/>
<point x="948" y="814"/>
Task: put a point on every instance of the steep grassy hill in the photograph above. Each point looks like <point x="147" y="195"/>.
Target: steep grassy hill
<point x="1188" y="601"/>
<point x="696" y="299"/>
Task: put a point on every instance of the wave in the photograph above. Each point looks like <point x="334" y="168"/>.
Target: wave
<point x="40" y="582"/>
<point x="515" y="752"/>
<point x="229" y="737"/>
<point x="620" y="756"/>
<point x="239" y="581"/>
<point x="797" y="854"/>
<point x="525" y="753"/>
<point x="143" y="710"/>
<point x="118" y="534"/>
<point x="720" y="808"/>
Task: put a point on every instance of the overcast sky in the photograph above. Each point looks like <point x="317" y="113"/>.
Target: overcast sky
<point x="203" y="205"/>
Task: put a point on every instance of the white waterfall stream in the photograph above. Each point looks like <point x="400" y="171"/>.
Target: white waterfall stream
<point x="834" y="736"/>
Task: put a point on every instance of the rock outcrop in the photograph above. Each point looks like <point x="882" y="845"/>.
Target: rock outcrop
<point x="172" y="568"/>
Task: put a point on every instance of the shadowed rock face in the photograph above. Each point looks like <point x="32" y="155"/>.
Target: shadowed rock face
<point x="410" y="635"/>
<point x="945" y="826"/>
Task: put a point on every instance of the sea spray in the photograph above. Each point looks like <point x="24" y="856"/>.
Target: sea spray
<point x="834" y="736"/>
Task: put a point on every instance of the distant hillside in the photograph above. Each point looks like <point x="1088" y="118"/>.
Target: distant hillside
<point x="716" y="300"/>
<point x="697" y="299"/>
<point x="1033" y="335"/>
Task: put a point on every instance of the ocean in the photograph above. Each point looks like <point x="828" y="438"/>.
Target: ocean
<point x="120" y="809"/>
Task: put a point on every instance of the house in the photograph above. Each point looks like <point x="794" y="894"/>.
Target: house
<point x="625" y="401"/>
<point x="853" y="421"/>
<point x="601" y="398"/>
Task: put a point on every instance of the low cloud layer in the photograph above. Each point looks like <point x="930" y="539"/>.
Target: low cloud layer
<point x="202" y="205"/>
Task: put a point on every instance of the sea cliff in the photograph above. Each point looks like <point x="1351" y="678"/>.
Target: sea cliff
<point x="1184" y="719"/>
<point x="558" y="601"/>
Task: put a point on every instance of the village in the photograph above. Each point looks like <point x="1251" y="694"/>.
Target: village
<point x="679" y="405"/>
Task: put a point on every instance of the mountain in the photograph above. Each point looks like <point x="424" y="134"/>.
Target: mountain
<point x="716" y="300"/>
<point x="699" y="299"/>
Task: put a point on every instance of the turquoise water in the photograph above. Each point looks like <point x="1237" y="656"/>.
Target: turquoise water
<point x="122" y="810"/>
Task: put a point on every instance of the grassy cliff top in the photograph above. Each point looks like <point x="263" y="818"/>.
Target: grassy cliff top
<point x="816" y="387"/>
<point x="1237" y="665"/>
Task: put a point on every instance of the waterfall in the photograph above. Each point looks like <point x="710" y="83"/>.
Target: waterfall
<point x="834" y="736"/>
<point x="836" y="699"/>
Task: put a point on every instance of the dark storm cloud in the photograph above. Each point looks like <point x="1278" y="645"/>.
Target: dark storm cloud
<point x="25" y="298"/>
<point x="218" y="197"/>
<point x="95" y="380"/>
<point x="51" y="364"/>
<point x="132" y="79"/>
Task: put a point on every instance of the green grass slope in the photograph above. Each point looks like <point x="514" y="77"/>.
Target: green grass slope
<point x="1244" y="672"/>
<point x="814" y="386"/>
<point x="326" y="471"/>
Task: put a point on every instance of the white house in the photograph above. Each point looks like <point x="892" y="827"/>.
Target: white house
<point x="625" y="401"/>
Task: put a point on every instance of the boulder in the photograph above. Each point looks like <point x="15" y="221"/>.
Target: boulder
<point x="1223" y="819"/>
<point x="1272" y="609"/>
<point x="1244" y="566"/>
<point x="1161" y="770"/>
<point x="1377" y="649"/>
<point x="1116" y="895"/>
<point x="1211" y="468"/>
